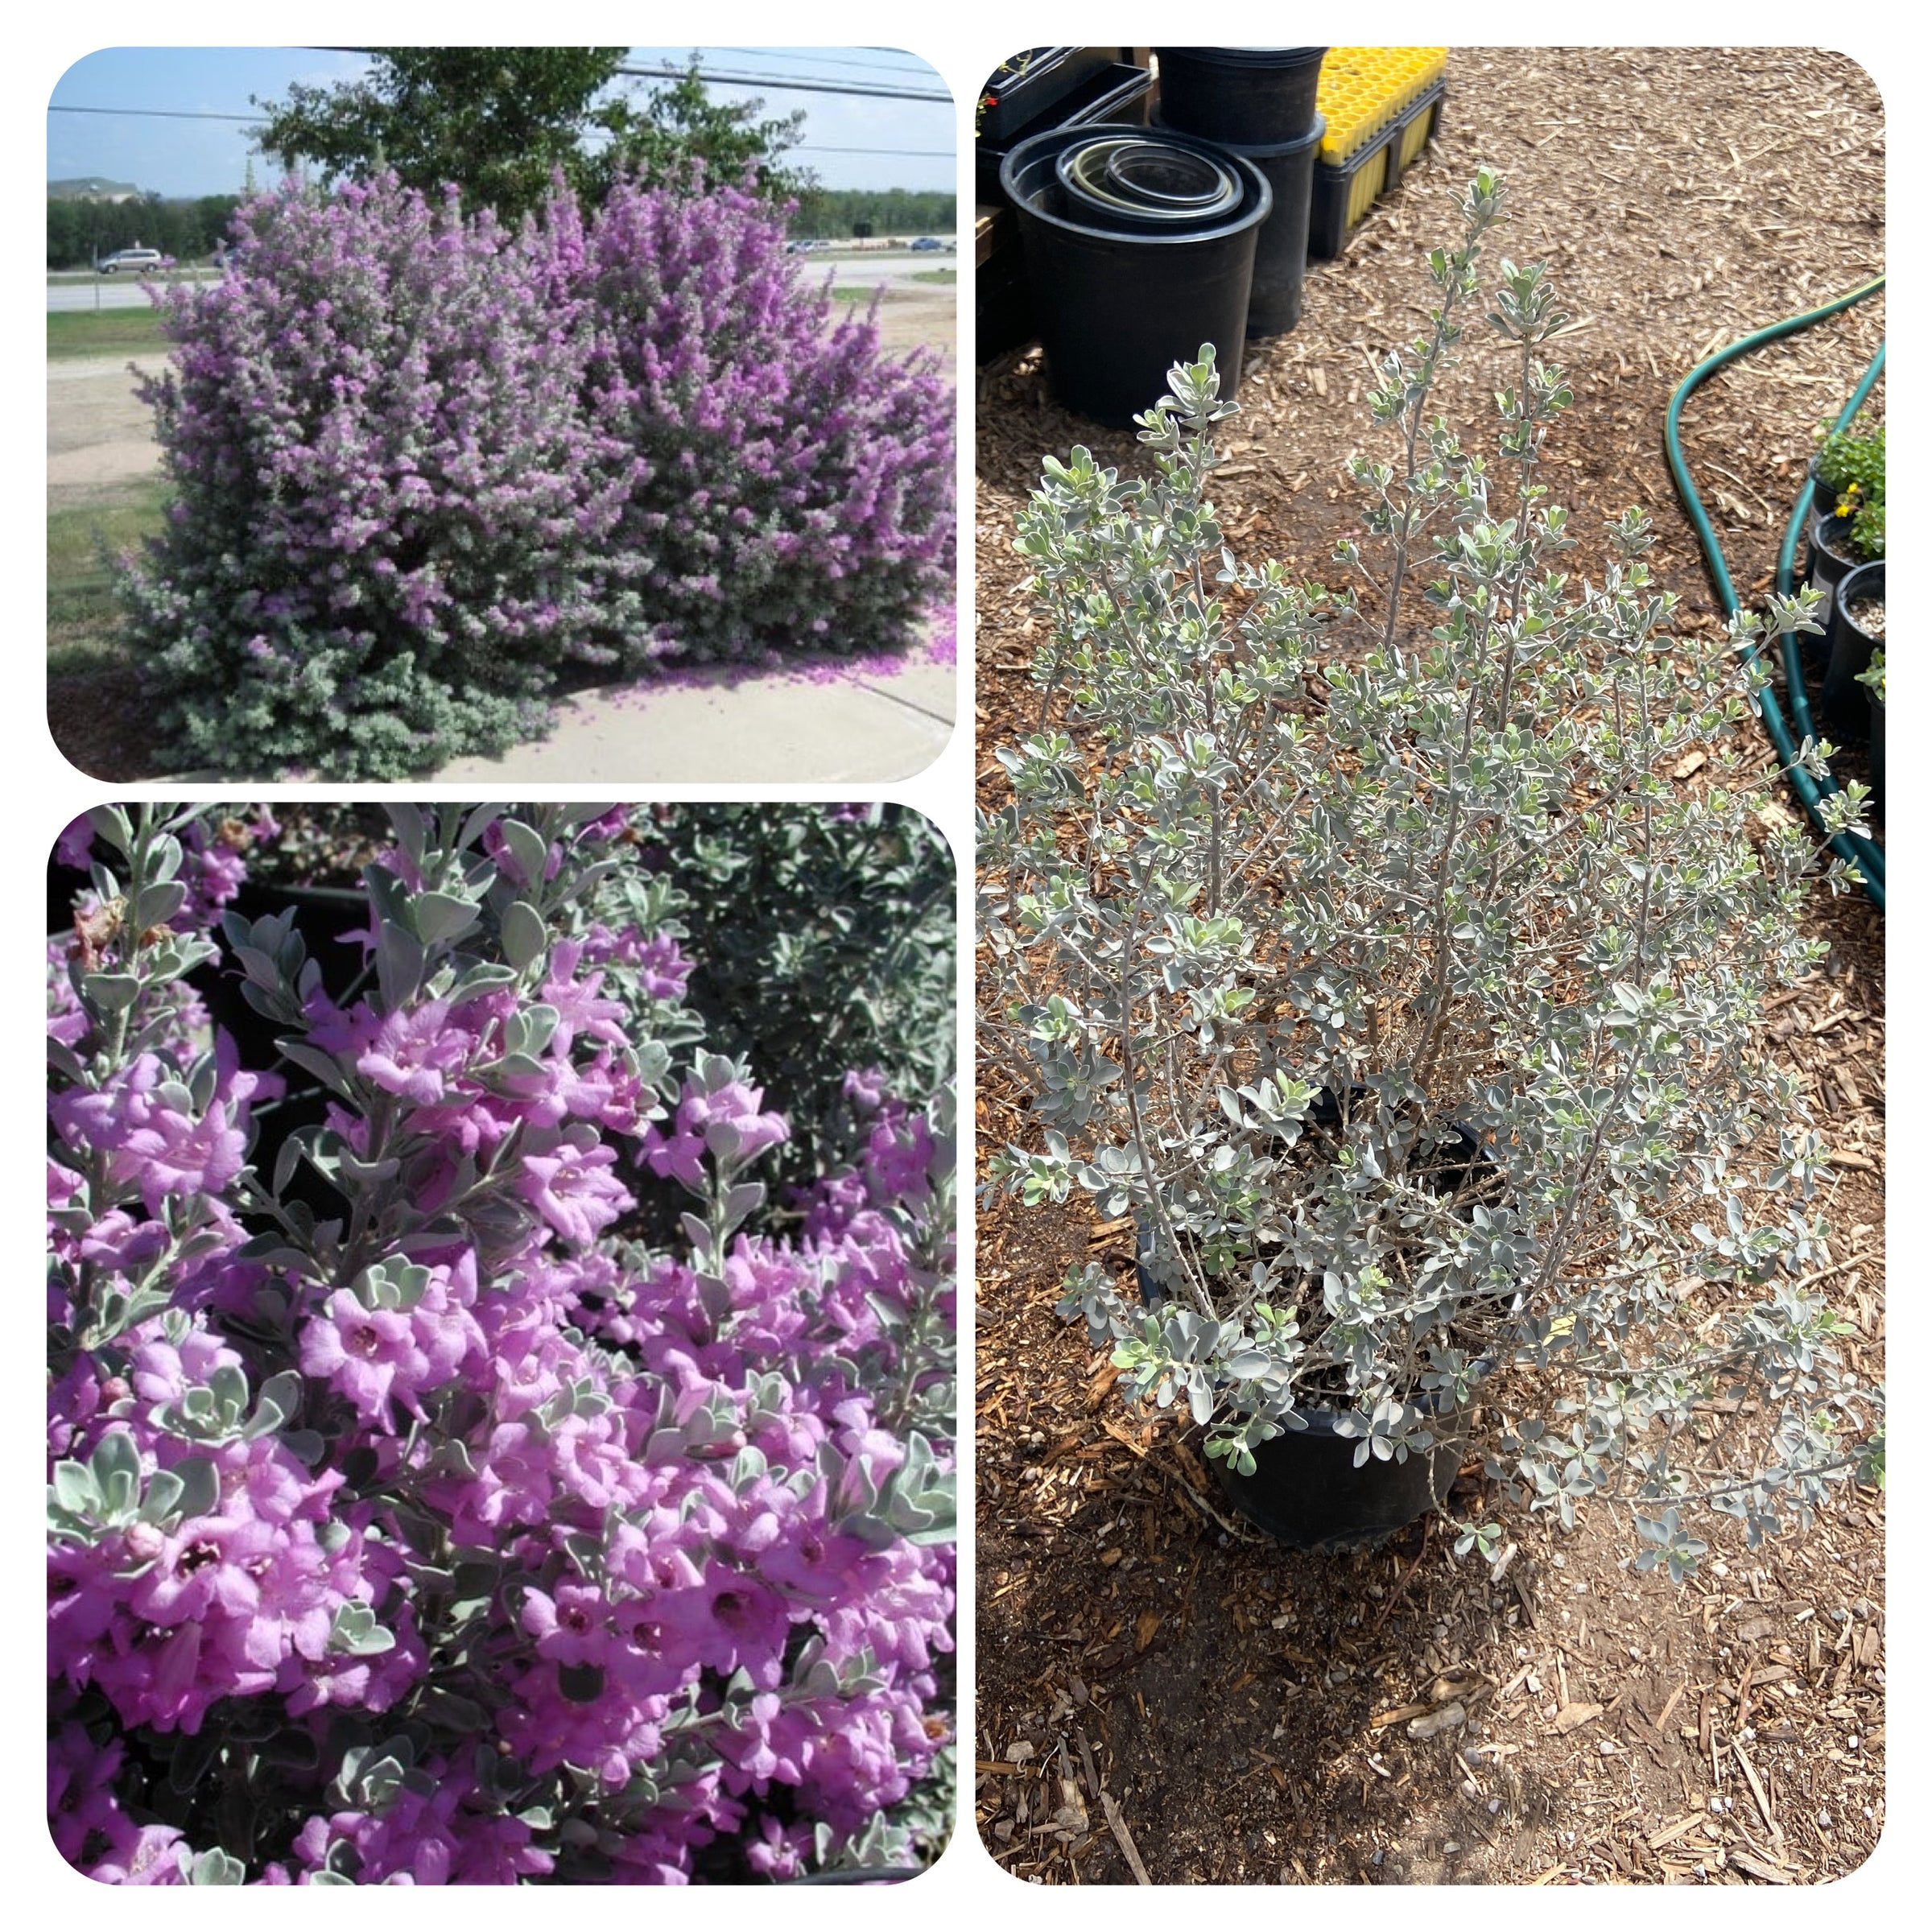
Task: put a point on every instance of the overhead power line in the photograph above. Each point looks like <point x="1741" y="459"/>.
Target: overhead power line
<point x="854" y="89"/>
<point x="712" y="78"/>
<point x="931" y="154"/>
<point x="816" y="60"/>
<point x="163" y="113"/>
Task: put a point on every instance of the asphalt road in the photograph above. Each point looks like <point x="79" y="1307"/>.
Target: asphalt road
<point x="854" y="269"/>
<point x="107" y="291"/>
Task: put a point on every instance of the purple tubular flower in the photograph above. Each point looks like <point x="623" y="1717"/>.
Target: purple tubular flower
<point x="412" y="1051"/>
<point x="725" y="1125"/>
<point x="377" y="1356"/>
<point x="144" y="1122"/>
<point x="574" y="1190"/>
<point x="75" y="847"/>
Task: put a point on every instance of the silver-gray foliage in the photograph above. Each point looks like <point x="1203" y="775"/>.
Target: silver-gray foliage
<point x="1401" y="993"/>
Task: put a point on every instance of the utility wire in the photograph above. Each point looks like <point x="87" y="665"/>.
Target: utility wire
<point x="709" y="77"/>
<point x="862" y="67"/>
<point x="163" y="114"/>
<point x="813" y="147"/>
<point x="712" y="78"/>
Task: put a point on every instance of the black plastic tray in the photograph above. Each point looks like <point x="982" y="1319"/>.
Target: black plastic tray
<point x="1013" y="102"/>
<point x="1114" y="91"/>
<point x="1329" y="233"/>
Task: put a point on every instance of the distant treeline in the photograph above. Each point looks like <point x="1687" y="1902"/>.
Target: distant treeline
<point x="80" y="233"/>
<point x="831" y="214"/>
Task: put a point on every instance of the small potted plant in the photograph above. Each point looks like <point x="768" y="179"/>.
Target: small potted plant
<point x="1404" y="1000"/>
<point x="1847" y="502"/>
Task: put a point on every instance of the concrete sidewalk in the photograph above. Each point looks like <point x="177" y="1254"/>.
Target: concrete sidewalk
<point x="864" y="726"/>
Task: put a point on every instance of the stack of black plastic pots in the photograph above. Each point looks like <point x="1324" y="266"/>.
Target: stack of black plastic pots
<point x="1258" y="102"/>
<point x="1045" y="88"/>
<point x="1140" y="248"/>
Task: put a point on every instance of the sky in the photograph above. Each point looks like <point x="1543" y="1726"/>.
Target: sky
<point x="164" y="149"/>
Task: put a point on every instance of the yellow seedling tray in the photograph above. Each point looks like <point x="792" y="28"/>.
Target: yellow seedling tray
<point x="1363" y="88"/>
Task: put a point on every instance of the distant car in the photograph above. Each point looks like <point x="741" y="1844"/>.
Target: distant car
<point x="130" y="258"/>
<point x="927" y="246"/>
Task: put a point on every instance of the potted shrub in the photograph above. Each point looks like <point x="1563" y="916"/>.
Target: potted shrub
<point x="1401" y="996"/>
<point x="1847" y="502"/>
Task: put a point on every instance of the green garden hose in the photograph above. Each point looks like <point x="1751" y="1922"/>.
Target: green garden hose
<point x="1859" y="852"/>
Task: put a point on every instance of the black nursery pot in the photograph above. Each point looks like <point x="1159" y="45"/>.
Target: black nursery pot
<point x="1011" y="103"/>
<point x="1259" y="96"/>
<point x="1122" y="295"/>
<point x="1307" y="1492"/>
<point x="1105" y="90"/>
<point x="1851" y="647"/>
<point x="1130" y="181"/>
<point x="1280" y="253"/>
<point x="1831" y="552"/>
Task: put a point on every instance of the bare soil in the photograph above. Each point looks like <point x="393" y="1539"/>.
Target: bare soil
<point x="1161" y="1695"/>
<point x="920" y="315"/>
<point x="97" y="431"/>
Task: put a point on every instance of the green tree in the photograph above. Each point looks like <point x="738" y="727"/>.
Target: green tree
<point x="681" y="123"/>
<point x="500" y="120"/>
<point x="837" y="212"/>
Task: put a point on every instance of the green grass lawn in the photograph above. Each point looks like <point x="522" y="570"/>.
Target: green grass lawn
<point x="864" y="291"/>
<point x="107" y="332"/>
<point x="83" y="616"/>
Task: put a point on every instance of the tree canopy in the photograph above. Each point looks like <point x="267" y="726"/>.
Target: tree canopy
<point x="499" y="121"/>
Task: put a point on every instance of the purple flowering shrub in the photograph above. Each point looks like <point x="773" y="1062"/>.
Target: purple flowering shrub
<point x="410" y="1520"/>
<point x="423" y="464"/>
<point x="788" y="483"/>
<point x="383" y="490"/>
